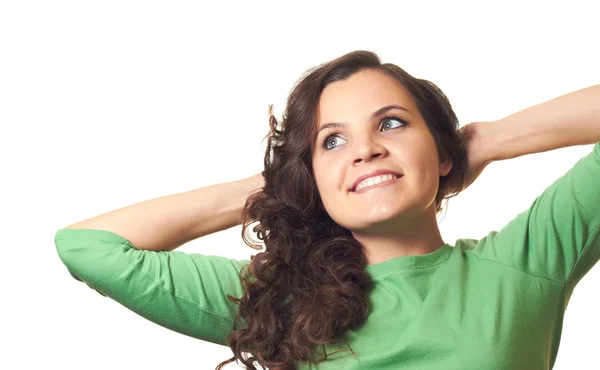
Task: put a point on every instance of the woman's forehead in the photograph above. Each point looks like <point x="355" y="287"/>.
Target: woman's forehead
<point x="360" y="96"/>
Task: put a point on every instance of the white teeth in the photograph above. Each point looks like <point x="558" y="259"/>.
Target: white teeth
<point x="374" y="181"/>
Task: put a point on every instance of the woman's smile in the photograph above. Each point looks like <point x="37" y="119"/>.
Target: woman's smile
<point x="377" y="186"/>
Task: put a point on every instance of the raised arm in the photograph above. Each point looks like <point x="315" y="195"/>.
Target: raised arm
<point x="168" y="222"/>
<point x="127" y="255"/>
<point x="570" y="119"/>
<point x="558" y="236"/>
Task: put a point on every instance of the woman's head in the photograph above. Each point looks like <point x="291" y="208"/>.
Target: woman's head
<point x="310" y="285"/>
<point x="376" y="136"/>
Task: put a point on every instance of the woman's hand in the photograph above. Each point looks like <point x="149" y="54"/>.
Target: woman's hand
<point x="475" y="152"/>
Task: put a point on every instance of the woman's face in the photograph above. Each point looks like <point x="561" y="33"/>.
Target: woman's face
<point x="366" y="143"/>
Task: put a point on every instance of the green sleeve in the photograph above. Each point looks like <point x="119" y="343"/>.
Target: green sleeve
<point x="558" y="236"/>
<point x="185" y="292"/>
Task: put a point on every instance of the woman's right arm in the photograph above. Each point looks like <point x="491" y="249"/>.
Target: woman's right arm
<point x="168" y="222"/>
<point x="127" y="255"/>
<point x="184" y="292"/>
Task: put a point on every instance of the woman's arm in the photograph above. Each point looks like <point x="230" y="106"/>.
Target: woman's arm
<point x="168" y="222"/>
<point x="571" y="119"/>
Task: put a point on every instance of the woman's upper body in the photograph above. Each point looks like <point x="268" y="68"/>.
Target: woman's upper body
<point x="494" y="303"/>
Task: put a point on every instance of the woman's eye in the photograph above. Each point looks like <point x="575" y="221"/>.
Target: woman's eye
<point x="333" y="136"/>
<point x="328" y="140"/>
<point x="388" y="119"/>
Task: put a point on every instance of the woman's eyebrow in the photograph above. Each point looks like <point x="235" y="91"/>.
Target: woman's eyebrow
<point x="375" y="114"/>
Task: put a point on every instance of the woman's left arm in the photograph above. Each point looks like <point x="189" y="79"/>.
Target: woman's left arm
<point x="570" y="119"/>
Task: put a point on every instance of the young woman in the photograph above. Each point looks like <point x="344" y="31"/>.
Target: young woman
<point x="355" y="274"/>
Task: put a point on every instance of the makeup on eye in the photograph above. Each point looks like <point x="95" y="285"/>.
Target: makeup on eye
<point x="324" y="141"/>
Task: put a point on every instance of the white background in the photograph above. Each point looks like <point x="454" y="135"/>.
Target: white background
<point x="106" y="104"/>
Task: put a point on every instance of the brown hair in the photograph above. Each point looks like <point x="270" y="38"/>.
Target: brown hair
<point x="309" y="285"/>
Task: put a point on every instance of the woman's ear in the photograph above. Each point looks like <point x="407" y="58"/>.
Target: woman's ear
<point x="445" y="167"/>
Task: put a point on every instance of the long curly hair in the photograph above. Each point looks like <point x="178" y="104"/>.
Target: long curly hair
<point x="309" y="285"/>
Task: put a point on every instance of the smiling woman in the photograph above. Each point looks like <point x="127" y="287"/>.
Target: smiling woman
<point x="370" y="148"/>
<point x="354" y="259"/>
<point x="348" y="120"/>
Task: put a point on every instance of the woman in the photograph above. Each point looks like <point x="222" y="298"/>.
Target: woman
<point x="355" y="274"/>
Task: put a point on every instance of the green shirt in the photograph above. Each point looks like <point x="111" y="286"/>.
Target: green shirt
<point x="494" y="303"/>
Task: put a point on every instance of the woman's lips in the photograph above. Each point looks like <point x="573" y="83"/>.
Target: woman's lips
<point x="380" y="185"/>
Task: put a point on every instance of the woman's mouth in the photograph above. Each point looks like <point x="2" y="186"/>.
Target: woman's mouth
<point x="365" y="188"/>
